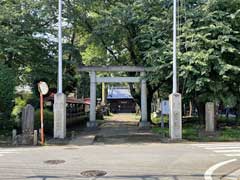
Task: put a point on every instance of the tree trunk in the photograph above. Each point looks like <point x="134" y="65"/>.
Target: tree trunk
<point x="150" y="92"/>
<point x="149" y="101"/>
<point x="201" y="112"/>
<point x="216" y="107"/>
<point x="190" y="108"/>
<point x="238" y="109"/>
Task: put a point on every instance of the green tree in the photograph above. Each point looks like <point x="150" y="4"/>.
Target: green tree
<point x="129" y="32"/>
<point x="209" y="52"/>
<point x="7" y="89"/>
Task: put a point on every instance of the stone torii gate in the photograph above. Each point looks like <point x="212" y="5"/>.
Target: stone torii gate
<point x="94" y="80"/>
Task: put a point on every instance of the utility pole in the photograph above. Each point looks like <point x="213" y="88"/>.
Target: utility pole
<point x="175" y="99"/>
<point x="60" y="46"/>
<point x="60" y="98"/>
<point x="174" y="46"/>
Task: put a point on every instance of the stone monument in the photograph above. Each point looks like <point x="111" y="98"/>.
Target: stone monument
<point x="27" y="124"/>
<point x="210" y="117"/>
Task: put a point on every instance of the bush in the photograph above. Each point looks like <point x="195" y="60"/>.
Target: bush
<point x="7" y="89"/>
<point x="7" y="95"/>
<point x="48" y="121"/>
<point x="20" y="102"/>
<point x="6" y="126"/>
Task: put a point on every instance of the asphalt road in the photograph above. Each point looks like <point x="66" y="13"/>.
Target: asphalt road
<point x="151" y="161"/>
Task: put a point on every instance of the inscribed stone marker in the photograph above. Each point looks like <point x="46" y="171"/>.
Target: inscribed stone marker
<point x="210" y="117"/>
<point x="28" y="119"/>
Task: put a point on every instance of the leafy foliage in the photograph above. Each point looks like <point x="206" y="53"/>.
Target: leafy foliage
<point x="127" y="32"/>
<point x="209" y="52"/>
<point x="7" y="89"/>
<point x="48" y="121"/>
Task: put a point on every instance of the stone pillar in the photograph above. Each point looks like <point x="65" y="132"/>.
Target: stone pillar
<point x="144" y="122"/>
<point x="14" y="136"/>
<point x="175" y="116"/>
<point x="92" y="123"/>
<point x="103" y="94"/>
<point x="209" y="117"/>
<point x="59" y="115"/>
<point x="28" y="119"/>
<point x="35" y="137"/>
<point x="27" y="125"/>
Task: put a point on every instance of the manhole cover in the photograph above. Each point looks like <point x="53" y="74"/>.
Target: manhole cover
<point x="54" y="161"/>
<point x="93" y="173"/>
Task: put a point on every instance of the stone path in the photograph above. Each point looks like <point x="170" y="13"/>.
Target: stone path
<point x="118" y="125"/>
<point x="117" y="129"/>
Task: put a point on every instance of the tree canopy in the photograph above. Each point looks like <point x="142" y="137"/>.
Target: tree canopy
<point x="127" y="32"/>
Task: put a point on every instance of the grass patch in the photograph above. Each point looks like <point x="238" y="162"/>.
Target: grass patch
<point x="228" y="130"/>
<point x="137" y="117"/>
<point x="157" y="120"/>
<point x="191" y="133"/>
<point x="159" y="130"/>
<point x="230" y="134"/>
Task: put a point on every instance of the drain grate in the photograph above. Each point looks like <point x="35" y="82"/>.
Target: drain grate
<point x="93" y="173"/>
<point x="54" y="162"/>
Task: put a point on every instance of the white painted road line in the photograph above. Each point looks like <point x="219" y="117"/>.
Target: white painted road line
<point x="6" y="152"/>
<point x="232" y="155"/>
<point x="10" y="150"/>
<point x="228" y="151"/>
<point x="16" y="149"/>
<point x="208" y="174"/>
<point x="216" y="145"/>
<point x="227" y="147"/>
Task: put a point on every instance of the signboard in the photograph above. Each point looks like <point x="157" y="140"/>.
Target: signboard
<point x="43" y="88"/>
<point x="165" y="107"/>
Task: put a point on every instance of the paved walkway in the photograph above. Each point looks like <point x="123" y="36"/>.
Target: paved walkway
<point x="119" y="125"/>
<point x="117" y="129"/>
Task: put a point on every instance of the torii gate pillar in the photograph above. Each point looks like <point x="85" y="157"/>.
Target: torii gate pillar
<point x="144" y="122"/>
<point x="92" y="121"/>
